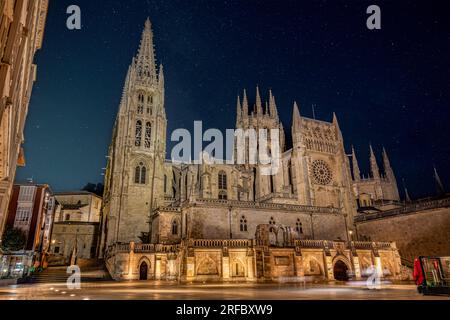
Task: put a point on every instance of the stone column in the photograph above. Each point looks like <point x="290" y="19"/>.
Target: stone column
<point x="329" y="267"/>
<point x="357" y="267"/>
<point x="131" y="260"/>
<point x="190" y="266"/>
<point x="226" y="268"/>
<point x="250" y="268"/>
<point x="158" y="268"/>
<point x="298" y="260"/>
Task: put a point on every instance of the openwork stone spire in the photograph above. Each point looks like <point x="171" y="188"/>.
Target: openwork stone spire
<point x="145" y="59"/>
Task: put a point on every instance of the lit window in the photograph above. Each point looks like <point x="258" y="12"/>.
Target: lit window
<point x="138" y="133"/>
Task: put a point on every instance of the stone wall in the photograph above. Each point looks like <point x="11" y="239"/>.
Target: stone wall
<point x="424" y="232"/>
<point x="243" y="260"/>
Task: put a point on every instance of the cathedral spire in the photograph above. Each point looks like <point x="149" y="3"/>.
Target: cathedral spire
<point x="296" y="118"/>
<point x="336" y="125"/>
<point x="259" y="110"/>
<point x="373" y="165"/>
<point x="161" y="76"/>
<point x="245" y="105"/>
<point x="272" y="106"/>
<point x="145" y="59"/>
<point x="238" y="110"/>
<point x="439" y="184"/>
<point x="386" y="162"/>
<point x="356" y="171"/>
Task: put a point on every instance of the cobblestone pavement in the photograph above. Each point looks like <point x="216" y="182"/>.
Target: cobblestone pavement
<point x="153" y="290"/>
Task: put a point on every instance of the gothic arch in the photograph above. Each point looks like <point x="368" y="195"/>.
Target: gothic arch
<point x="207" y="266"/>
<point x="175" y="226"/>
<point x="312" y="261"/>
<point x="238" y="268"/>
<point x="148" y="265"/>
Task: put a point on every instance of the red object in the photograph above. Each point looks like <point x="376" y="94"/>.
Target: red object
<point x="418" y="274"/>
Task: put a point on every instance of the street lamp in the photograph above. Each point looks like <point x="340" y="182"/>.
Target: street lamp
<point x="350" y="232"/>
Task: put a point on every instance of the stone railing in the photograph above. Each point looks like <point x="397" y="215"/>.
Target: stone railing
<point x="213" y="243"/>
<point x="353" y="244"/>
<point x="270" y="206"/>
<point x="155" y="248"/>
<point x="409" y="208"/>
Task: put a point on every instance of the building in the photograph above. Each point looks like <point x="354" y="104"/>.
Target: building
<point x="21" y="32"/>
<point x="28" y="212"/>
<point x="76" y="227"/>
<point x="221" y="222"/>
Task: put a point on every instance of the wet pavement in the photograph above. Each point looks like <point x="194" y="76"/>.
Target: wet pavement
<point x="153" y="290"/>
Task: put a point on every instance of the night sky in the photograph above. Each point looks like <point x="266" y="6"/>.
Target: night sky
<point x="388" y="87"/>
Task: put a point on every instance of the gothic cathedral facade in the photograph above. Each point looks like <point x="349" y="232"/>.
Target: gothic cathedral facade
<point x="221" y="222"/>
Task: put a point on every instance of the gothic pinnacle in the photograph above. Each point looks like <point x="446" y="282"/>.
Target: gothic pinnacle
<point x="258" y="109"/>
<point x="296" y="118"/>
<point x="245" y="105"/>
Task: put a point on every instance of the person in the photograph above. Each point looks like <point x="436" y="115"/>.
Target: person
<point x="418" y="275"/>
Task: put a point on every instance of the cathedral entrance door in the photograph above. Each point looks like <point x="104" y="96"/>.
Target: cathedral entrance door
<point x="340" y="271"/>
<point x="143" y="270"/>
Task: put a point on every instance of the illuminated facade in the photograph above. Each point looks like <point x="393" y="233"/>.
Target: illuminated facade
<point x="21" y="32"/>
<point x="201" y="222"/>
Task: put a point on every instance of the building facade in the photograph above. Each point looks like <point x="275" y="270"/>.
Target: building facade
<point x="200" y="222"/>
<point x="76" y="228"/>
<point x="21" y="32"/>
<point x="29" y="212"/>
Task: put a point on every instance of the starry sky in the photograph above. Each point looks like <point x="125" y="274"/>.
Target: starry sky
<point x="388" y="87"/>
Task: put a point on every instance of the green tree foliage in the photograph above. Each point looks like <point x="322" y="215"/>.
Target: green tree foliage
<point x="13" y="239"/>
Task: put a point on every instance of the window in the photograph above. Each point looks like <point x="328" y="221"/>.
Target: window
<point x="272" y="221"/>
<point x="165" y="184"/>
<point x="148" y="134"/>
<point x="56" y="249"/>
<point x="140" y="106"/>
<point x="23" y="215"/>
<point x="140" y="174"/>
<point x="67" y="217"/>
<point x="26" y="194"/>
<point x="174" y="227"/>
<point x="243" y="224"/>
<point x="223" y="195"/>
<point x="299" y="227"/>
<point x="222" y="182"/>
<point x="138" y="133"/>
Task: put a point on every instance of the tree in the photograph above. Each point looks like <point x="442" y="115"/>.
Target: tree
<point x="13" y="239"/>
<point x="94" y="188"/>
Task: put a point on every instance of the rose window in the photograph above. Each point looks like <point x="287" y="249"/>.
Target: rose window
<point x="321" y="172"/>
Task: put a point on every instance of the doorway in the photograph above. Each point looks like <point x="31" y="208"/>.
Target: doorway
<point x="340" y="271"/>
<point x="143" y="271"/>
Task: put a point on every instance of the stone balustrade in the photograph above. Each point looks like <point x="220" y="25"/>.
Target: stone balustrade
<point x="213" y="243"/>
<point x="409" y="208"/>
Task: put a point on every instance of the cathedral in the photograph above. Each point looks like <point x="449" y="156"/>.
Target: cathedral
<point x="166" y="220"/>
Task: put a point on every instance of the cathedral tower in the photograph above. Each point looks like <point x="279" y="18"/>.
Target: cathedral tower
<point x="134" y="178"/>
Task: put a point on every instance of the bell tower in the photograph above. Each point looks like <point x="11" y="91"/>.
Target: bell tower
<point x="134" y="178"/>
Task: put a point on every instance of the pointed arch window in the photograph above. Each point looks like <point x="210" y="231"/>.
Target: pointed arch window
<point x="140" y="174"/>
<point x="140" y="106"/>
<point x="299" y="227"/>
<point x="222" y="184"/>
<point x="165" y="184"/>
<point x="148" y="135"/>
<point x="174" y="227"/>
<point x="138" y="138"/>
<point x="243" y="224"/>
